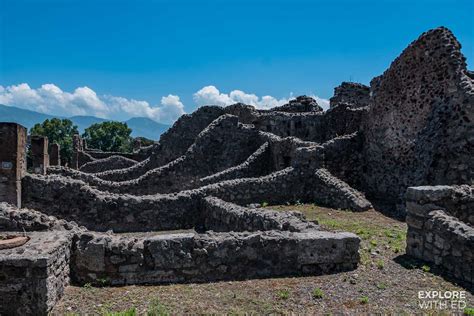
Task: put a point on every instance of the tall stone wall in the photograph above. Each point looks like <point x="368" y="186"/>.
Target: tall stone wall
<point x="12" y="162"/>
<point x="39" y="154"/>
<point x="419" y="128"/>
<point x="55" y="155"/>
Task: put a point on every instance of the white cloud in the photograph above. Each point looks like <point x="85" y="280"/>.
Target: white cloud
<point x="50" y="99"/>
<point x="210" y="95"/>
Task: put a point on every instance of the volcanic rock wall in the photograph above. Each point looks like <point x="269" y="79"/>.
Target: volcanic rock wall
<point x="419" y="129"/>
<point x="354" y="94"/>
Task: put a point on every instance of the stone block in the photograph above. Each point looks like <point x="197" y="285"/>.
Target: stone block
<point x="34" y="275"/>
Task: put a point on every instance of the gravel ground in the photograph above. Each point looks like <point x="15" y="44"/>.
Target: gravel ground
<point x="386" y="282"/>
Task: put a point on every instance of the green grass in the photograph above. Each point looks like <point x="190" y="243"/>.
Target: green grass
<point x="469" y="311"/>
<point x="264" y="204"/>
<point x="425" y="268"/>
<point x="283" y="294"/>
<point x="157" y="309"/>
<point x="380" y="264"/>
<point x="318" y="293"/>
<point x="129" y="312"/>
<point x="381" y="286"/>
<point x="364" y="300"/>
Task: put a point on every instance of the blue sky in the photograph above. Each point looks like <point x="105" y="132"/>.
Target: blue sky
<point x="149" y="58"/>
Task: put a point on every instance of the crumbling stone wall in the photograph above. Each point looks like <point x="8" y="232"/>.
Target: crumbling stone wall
<point x="264" y="243"/>
<point x="300" y="104"/>
<point x="419" y="128"/>
<point x="440" y="228"/>
<point x="342" y="156"/>
<point x="260" y="243"/>
<point x="351" y="93"/>
<point x="111" y="163"/>
<point x="73" y="200"/>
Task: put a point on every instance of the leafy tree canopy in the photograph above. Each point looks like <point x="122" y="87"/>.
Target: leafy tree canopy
<point x="58" y="131"/>
<point x="109" y="136"/>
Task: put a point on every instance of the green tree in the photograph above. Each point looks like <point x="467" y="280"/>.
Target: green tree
<point x="58" y="131"/>
<point x="109" y="136"/>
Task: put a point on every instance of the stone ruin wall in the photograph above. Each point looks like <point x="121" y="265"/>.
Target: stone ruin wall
<point x="355" y="95"/>
<point x="419" y="129"/>
<point x="247" y="243"/>
<point x="441" y="228"/>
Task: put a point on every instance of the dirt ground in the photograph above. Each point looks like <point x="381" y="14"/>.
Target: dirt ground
<point x="386" y="282"/>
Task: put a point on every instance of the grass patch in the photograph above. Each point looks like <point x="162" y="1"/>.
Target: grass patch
<point x="283" y="294"/>
<point x="469" y="311"/>
<point x="156" y="308"/>
<point x="380" y="264"/>
<point x="425" y="268"/>
<point x="381" y="286"/>
<point x="364" y="300"/>
<point x="129" y="312"/>
<point x="318" y="293"/>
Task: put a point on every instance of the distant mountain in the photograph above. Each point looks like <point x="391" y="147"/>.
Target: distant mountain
<point x="84" y="122"/>
<point x="141" y="126"/>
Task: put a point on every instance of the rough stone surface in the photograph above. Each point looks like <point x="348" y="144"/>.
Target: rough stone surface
<point x="109" y="163"/>
<point x="211" y="256"/>
<point x="300" y="104"/>
<point x="354" y="94"/>
<point x="34" y="275"/>
<point x="420" y="126"/>
<point x="440" y="228"/>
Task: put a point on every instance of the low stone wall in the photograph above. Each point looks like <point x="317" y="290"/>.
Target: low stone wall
<point x="341" y="156"/>
<point x="440" y="228"/>
<point x="211" y="256"/>
<point x="34" y="275"/>
<point x="220" y="216"/>
<point x="73" y="200"/>
<point x="15" y="219"/>
<point x="98" y="210"/>
<point x="250" y="244"/>
<point x="256" y="165"/>
<point x="110" y="163"/>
